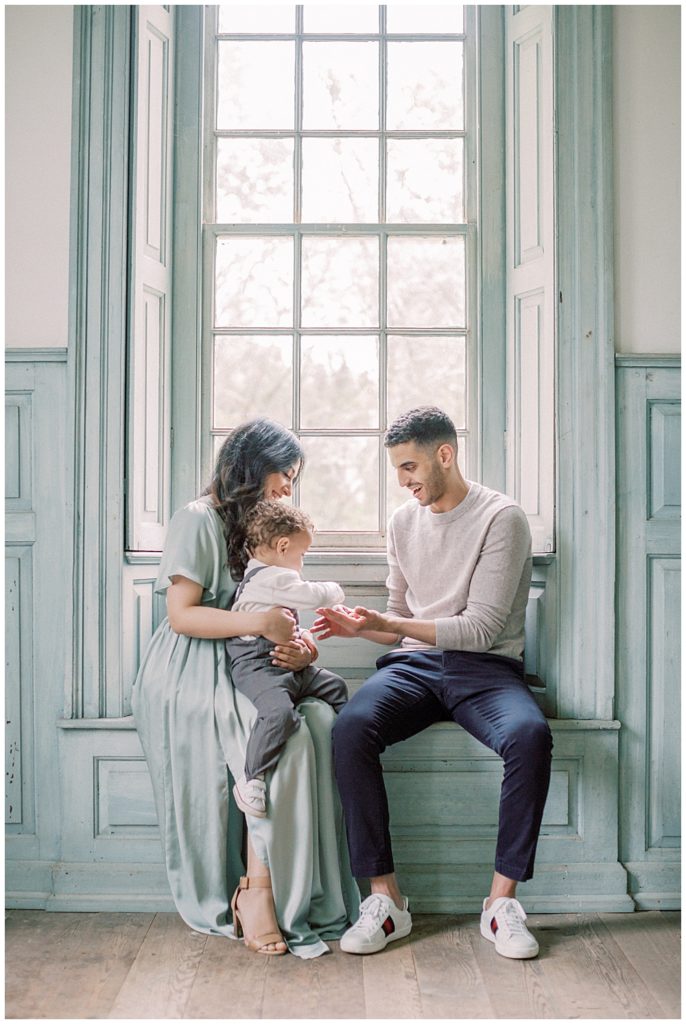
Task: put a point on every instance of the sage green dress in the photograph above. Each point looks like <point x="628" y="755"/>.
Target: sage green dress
<point x="194" y="726"/>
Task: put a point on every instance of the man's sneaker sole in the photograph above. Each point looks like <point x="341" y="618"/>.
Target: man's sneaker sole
<point x="379" y="944"/>
<point x="246" y="808"/>
<point x="510" y="954"/>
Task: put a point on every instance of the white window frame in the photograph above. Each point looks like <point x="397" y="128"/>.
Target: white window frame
<point x="490" y="393"/>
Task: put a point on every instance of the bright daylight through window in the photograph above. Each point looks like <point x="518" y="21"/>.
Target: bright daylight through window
<point x="339" y="238"/>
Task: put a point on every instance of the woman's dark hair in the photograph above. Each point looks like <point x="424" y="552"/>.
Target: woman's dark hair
<point x="249" y="454"/>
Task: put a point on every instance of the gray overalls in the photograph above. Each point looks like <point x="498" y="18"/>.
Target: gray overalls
<point x="275" y="692"/>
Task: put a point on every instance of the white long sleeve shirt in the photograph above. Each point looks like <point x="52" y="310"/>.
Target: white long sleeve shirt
<point x="274" y="587"/>
<point x="469" y="570"/>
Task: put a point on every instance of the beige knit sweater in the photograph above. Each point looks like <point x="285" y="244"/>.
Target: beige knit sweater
<point x="468" y="569"/>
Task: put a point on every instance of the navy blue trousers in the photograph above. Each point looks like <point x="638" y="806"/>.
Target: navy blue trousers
<point x="486" y="695"/>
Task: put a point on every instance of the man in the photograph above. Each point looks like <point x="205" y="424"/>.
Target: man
<point x="459" y="556"/>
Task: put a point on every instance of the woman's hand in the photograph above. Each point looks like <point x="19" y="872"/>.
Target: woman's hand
<point x="293" y="656"/>
<point x="279" y="626"/>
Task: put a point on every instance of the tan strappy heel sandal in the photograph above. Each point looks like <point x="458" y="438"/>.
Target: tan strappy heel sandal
<point x="257" y="943"/>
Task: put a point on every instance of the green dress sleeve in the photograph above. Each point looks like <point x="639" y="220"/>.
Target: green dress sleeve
<point x="195" y="548"/>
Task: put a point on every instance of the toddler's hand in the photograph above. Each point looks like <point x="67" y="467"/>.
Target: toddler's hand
<point x="337" y="621"/>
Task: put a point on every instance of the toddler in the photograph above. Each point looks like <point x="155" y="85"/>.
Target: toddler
<point x="277" y="538"/>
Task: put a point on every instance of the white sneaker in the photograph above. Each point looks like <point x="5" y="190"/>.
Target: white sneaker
<point x="503" y="924"/>
<point x="251" y="796"/>
<point x="379" y="923"/>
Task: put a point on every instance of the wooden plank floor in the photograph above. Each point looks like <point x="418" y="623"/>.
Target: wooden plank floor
<point x="133" y="966"/>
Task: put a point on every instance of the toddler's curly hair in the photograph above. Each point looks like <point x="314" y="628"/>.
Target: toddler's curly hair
<point x="269" y="520"/>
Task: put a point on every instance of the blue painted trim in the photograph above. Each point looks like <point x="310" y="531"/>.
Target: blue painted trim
<point x="660" y="362"/>
<point x="187" y="258"/>
<point x="97" y="350"/>
<point x="586" y="361"/>
<point x="492" y="250"/>
<point x="556" y="724"/>
<point x="36" y="355"/>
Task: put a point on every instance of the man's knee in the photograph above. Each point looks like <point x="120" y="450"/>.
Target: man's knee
<point x="532" y="738"/>
<point x="352" y="731"/>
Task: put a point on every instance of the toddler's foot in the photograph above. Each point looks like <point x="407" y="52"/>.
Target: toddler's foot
<point x="251" y="796"/>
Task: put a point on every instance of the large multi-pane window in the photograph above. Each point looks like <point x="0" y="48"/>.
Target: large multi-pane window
<point x="340" y="238"/>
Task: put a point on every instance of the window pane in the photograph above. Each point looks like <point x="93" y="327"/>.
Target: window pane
<point x="253" y="376"/>
<point x="425" y="86"/>
<point x="252" y="18"/>
<point x="340" y="85"/>
<point x="254" y="181"/>
<point x="426" y="371"/>
<point x="425" y="179"/>
<point x="340" y="282"/>
<point x="426" y="282"/>
<point x="340" y="484"/>
<point x="424" y="18"/>
<point x="254" y="282"/>
<point x="339" y="382"/>
<point x="255" y="85"/>
<point x="340" y="180"/>
<point x="341" y="18"/>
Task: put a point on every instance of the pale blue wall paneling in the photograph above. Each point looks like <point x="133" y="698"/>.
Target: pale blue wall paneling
<point x="648" y="609"/>
<point x="38" y="519"/>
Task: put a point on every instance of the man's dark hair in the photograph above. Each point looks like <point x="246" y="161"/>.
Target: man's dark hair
<point x="427" y="426"/>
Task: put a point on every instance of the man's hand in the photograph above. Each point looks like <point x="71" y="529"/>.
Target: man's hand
<point x="343" y="621"/>
<point x="336" y="621"/>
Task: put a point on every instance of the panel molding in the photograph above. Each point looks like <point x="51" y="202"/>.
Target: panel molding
<point x="530" y="263"/>
<point x="528" y="127"/>
<point x="37" y="601"/>
<point x="149" y="360"/>
<point x="664" y="464"/>
<point x="648" y="633"/>
<point x="123" y="803"/>
<point x="663" y="746"/>
<point x="19" y="690"/>
<point x="32" y="354"/>
<point x="19" y="449"/>
<point x="659" y="360"/>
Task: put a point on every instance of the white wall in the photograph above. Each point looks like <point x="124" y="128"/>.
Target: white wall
<point x="647" y="175"/>
<point x="647" y="178"/>
<point x="38" y="94"/>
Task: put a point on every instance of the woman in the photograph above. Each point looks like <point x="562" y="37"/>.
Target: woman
<point x="193" y="724"/>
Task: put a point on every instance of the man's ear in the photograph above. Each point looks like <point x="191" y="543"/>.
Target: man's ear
<point x="446" y="454"/>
